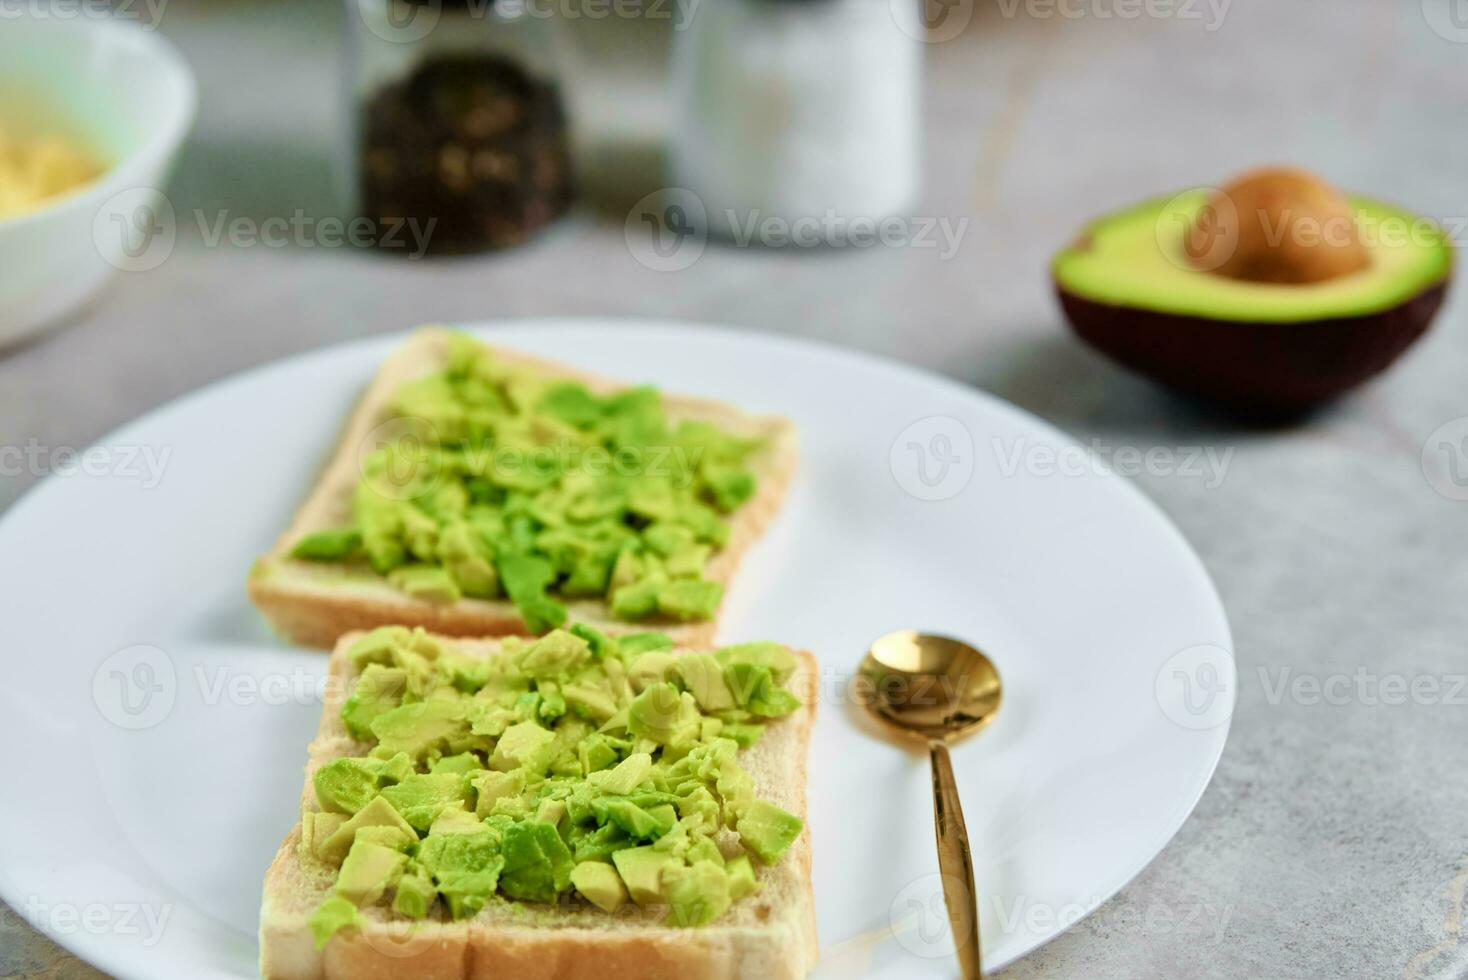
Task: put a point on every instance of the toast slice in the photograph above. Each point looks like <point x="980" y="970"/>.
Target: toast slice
<point x="770" y="935"/>
<point x="314" y="603"/>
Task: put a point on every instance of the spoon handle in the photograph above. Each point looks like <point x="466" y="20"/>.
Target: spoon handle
<point x="956" y="863"/>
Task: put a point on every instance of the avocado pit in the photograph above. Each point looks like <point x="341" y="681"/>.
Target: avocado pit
<point x="1277" y="225"/>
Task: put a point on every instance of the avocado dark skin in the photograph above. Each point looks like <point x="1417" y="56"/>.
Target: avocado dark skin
<point x="1276" y="369"/>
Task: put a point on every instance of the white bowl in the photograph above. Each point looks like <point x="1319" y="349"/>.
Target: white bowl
<point x="125" y="93"/>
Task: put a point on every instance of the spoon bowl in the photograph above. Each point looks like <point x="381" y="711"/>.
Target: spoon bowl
<point x="928" y="686"/>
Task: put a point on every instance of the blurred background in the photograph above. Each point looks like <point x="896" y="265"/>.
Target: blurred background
<point x="994" y="131"/>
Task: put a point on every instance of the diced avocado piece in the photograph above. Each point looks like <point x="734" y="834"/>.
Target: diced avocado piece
<point x="729" y="486"/>
<point x="524" y="746"/>
<point x="755" y="689"/>
<point x="589" y="701"/>
<point x="633" y="819"/>
<point x="551" y="811"/>
<point x="392" y="837"/>
<point x="705" y="522"/>
<point x="625" y="777"/>
<point x="633" y="644"/>
<point x="600" y="885"/>
<point x="379" y="689"/>
<point x="381" y="523"/>
<point x="664" y="714"/>
<point x="525" y="579"/>
<point x="595" y="753"/>
<point x="537" y="862"/>
<point x="698" y="894"/>
<point x="699" y="810"/>
<point x="348" y="784"/>
<point x="420" y="533"/>
<point x="767" y="830"/>
<point x="377" y="813"/>
<point x="421" y="726"/>
<point x="368" y="871"/>
<point x="316" y="827"/>
<point x="666" y="816"/>
<point x="642" y="870"/>
<point x="467" y="868"/>
<point x="330" y="916"/>
<point x="455" y="820"/>
<point x="588" y="575"/>
<point x="636" y="601"/>
<point x="413" y="896"/>
<point x="703" y="677"/>
<point x="379" y="646"/>
<point x="572" y="403"/>
<point x="689" y="599"/>
<point x="512" y="808"/>
<point x="704" y="849"/>
<point x="744" y="734"/>
<point x="741" y="877"/>
<point x="600" y="644"/>
<point x="467" y="557"/>
<point x="627" y="568"/>
<point x="688" y="562"/>
<point x="666" y="538"/>
<point x="464" y="762"/>
<point x="552" y="703"/>
<point x="652" y="499"/>
<point x="653" y="667"/>
<point x="761" y="653"/>
<point x="558" y="652"/>
<point x="423" y="796"/>
<point x="337" y="544"/>
<point x="601" y="843"/>
<point x="492" y="786"/>
<point x="427" y="582"/>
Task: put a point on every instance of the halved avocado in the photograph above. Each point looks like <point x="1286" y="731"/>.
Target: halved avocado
<point x="1130" y="288"/>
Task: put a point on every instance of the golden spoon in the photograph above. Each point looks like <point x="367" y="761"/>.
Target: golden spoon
<point x="938" y="689"/>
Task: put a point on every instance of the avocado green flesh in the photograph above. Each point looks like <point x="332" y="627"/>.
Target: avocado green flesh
<point x="1135" y="258"/>
<point x="492" y="481"/>
<point x="573" y="763"/>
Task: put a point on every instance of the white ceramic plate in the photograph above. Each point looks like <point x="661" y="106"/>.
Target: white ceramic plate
<point x="156" y="730"/>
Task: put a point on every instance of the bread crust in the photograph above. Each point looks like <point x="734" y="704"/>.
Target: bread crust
<point x="313" y="603"/>
<point x="770" y="935"/>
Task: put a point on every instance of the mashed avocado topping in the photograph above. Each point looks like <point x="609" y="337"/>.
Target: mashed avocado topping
<point x="495" y="481"/>
<point x="575" y="764"/>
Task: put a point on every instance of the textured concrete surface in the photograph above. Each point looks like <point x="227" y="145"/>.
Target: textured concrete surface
<point x="1332" y="841"/>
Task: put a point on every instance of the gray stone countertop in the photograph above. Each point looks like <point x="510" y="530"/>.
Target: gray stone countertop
<point x="1332" y="842"/>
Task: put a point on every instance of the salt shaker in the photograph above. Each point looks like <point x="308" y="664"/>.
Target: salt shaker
<point x="806" y="112"/>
